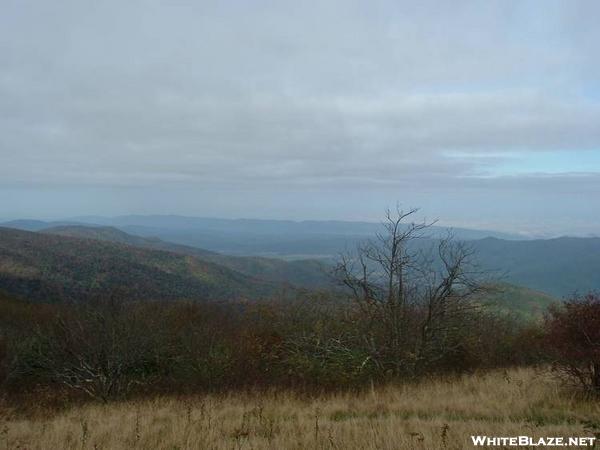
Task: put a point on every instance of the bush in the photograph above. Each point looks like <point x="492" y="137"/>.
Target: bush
<point x="108" y="349"/>
<point x="102" y="349"/>
<point x="573" y="340"/>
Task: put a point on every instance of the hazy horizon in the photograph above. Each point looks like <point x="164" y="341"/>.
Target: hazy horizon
<point x="484" y="115"/>
<point x="89" y="220"/>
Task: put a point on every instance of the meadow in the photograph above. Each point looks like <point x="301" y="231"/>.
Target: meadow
<point x="435" y="413"/>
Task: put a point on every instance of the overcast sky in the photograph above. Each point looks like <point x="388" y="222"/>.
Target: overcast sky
<point x="485" y="114"/>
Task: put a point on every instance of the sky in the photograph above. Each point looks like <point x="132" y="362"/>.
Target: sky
<point x="483" y="114"/>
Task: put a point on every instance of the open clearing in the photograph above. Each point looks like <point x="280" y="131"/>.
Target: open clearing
<point x="433" y="414"/>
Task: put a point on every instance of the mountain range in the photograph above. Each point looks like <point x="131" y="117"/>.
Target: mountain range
<point x="300" y="253"/>
<point x="250" y="237"/>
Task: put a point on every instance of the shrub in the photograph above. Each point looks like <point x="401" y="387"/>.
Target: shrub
<point x="573" y="339"/>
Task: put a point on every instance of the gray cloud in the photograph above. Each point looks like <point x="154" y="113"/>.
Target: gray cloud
<point x="385" y="97"/>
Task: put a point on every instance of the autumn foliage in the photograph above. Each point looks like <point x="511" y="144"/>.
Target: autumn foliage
<point x="573" y="339"/>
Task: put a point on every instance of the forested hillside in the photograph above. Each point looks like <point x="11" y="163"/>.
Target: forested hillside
<point x="559" y="267"/>
<point x="47" y="267"/>
<point x="307" y="273"/>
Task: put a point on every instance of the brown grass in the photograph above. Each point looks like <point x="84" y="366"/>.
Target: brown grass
<point x="434" y="414"/>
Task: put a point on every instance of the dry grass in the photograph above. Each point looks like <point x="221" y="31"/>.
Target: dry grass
<point x="430" y="415"/>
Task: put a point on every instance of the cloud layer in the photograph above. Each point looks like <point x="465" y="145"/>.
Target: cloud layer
<point x="386" y="99"/>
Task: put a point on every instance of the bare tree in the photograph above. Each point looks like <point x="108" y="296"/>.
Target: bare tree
<point x="414" y="297"/>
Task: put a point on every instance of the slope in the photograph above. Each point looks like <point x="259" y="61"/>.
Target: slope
<point x="46" y="267"/>
<point x="559" y="267"/>
<point x="301" y="273"/>
<point x="519" y="301"/>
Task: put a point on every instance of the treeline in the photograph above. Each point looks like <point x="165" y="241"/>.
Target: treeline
<point x="112" y="349"/>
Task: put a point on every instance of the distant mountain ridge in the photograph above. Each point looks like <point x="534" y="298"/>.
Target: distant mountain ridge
<point x="268" y="226"/>
<point x="559" y="266"/>
<point x="34" y="225"/>
<point x="268" y="238"/>
<point x="112" y="234"/>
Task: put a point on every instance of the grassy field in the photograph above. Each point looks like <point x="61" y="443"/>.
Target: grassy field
<point x="434" y="414"/>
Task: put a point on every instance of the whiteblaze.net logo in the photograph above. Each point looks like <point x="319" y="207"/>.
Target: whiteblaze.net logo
<point x="519" y="441"/>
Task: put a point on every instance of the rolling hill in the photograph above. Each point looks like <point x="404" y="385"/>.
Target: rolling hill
<point x="47" y="267"/>
<point x="522" y="302"/>
<point x="77" y="263"/>
<point x="300" y="273"/>
<point x="558" y="267"/>
<point x="249" y="237"/>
